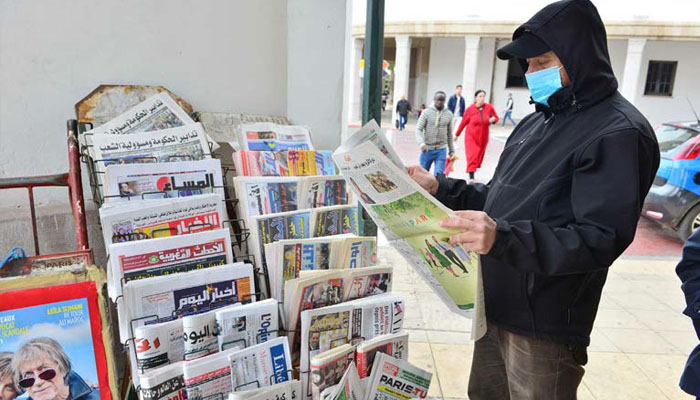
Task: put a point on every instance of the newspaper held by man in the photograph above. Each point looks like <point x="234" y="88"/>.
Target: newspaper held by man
<point x="134" y="182"/>
<point x="394" y="379"/>
<point x="164" y="256"/>
<point x="410" y="219"/>
<point x="184" y="143"/>
<point x="248" y="324"/>
<point x="165" y="383"/>
<point x="372" y="133"/>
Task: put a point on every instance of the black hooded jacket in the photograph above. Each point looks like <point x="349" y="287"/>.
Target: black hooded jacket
<point x="568" y="189"/>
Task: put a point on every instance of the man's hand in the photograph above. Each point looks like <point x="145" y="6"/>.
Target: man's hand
<point x="478" y="230"/>
<point x="424" y="178"/>
<point x="492" y="120"/>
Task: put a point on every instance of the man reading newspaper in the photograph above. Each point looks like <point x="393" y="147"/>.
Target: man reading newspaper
<point x="563" y="204"/>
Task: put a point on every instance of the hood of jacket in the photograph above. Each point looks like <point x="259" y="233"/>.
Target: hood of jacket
<point x="574" y="31"/>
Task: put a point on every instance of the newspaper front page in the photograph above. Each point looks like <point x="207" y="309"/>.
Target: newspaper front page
<point x="410" y="219"/>
<point x="394" y="379"/>
<point x="265" y="136"/>
<point x="262" y="365"/>
<point x="166" y="383"/>
<point x="208" y="378"/>
<point x="158" y="344"/>
<point x="133" y="182"/>
<point x="248" y="324"/>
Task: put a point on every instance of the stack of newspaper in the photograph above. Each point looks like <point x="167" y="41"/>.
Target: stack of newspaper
<point x="284" y="163"/>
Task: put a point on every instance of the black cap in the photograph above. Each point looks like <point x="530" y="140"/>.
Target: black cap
<point x="525" y="46"/>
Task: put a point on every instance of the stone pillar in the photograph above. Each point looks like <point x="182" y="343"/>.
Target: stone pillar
<point x="471" y="61"/>
<point x="355" y="103"/>
<point x="633" y="67"/>
<point x="401" y="72"/>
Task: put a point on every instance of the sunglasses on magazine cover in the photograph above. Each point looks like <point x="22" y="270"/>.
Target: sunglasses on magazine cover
<point x="46" y="375"/>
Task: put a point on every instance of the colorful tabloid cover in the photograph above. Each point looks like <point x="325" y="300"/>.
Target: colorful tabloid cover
<point x="410" y="219"/>
<point x="44" y="327"/>
<point x="284" y="163"/>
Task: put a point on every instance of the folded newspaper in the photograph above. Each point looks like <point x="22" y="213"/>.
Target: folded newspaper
<point x="265" y="136"/>
<point x="289" y="390"/>
<point x="329" y="367"/>
<point x="208" y="378"/>
<point x="133" y="182"/>
<point x="168" y="255"/>
<point x="410" y="218"/>
<point x="248" y="324"/>
<point x="394" y="344"/>
<point x="157" y="345"/>
<point x="165" y="383"/>
<point x="394" y="379"/>
<point x="350" y="387"/>
<point x="264" y="364"/>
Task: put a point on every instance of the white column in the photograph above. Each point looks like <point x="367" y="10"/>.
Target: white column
<point x="401" y="69"/>
<point x="633" y="67"/>
<point x="471" y="61"/>
<point x="355" y="96"/>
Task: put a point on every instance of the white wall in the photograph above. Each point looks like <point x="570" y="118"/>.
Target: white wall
<point x="521" y="96"/>
<point x="618" y="54"/>
<point x="446" y="65"/>
<point x="316" y="59"/>
<point x="218" y="55"/>
<point x="660" y="109"/>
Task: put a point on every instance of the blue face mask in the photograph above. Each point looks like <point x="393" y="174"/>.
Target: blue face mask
<point x="543" y="84"/>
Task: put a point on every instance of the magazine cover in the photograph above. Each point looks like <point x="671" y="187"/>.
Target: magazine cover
<point x="56" y="330"/>
<point x="133" y="182"/>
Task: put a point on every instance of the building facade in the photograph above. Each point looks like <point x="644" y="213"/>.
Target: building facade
<point x="657" y="64"/>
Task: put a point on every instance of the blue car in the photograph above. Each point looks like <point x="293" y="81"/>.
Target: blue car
<point x="674" y="198"/>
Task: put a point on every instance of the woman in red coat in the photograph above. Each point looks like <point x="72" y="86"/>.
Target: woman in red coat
<point x="476" y="119"/>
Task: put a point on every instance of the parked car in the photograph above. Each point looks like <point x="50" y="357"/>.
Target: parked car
<point x="674" y="198"/>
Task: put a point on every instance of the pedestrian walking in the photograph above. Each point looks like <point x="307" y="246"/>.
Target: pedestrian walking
<point x="509" y="110"/>
<point x="403" y="107"/>
<point x="434" y="134"/>
<point x="456" y="105"/>
<point x="688" y="271"/>
<point x="563" y="204"/>
<point x="477" y="119"/>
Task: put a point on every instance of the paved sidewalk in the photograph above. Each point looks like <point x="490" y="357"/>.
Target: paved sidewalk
<point x="640" y="340"/>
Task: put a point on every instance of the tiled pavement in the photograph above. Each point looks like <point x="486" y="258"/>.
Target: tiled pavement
<point x="640" y="340"/>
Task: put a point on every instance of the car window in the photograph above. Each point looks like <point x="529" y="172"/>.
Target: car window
<point x="672" y="137"/>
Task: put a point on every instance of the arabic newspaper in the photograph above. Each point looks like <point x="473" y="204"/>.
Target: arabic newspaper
<point x="266" y="195"/>
<point x="261" y="365"/>
<point x="284" y="163"/>
<point x="323" y="329"/>
<point x="64" y="316"/>
<point x="247" y="325"/>
<point x="185" y="143"/>
<point x="409" y="217"/>
<point x="270" y="228"/>
<point x="158" y="344"/>
<point x="289" y="390"/>
<point x="321" y="191"/>
<point x="328" y="368"/>
<point x="355" y="252"/>
<point x="164" y="256"/>
<point x="208" y="378"/>
<point x="265" y="136"/>
<point x="394" y="379"/>
<point x="199" y="333"/>
<point x="372" y="133"/>
<point x="335" y="220"/>
<point x="394" y="344"/>
<point x="165" y="383"/>
<point x="133" y="182"/>
<point x="175" y="295"/>
<point x="350" y="387"/>
<point x="128" y="222"/>
<point x="156" y="113"/>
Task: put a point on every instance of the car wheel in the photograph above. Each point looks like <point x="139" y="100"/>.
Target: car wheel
<point x="690" y="223"/>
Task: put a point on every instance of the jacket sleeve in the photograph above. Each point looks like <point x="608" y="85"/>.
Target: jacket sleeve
<point x="451" y="104"/>
<point x="612" y="176"/>
<point x="688" y="270"/>
<point x="465" y="121"/>
<point x="456" y="194"/>
<point x="420" y="128"/>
